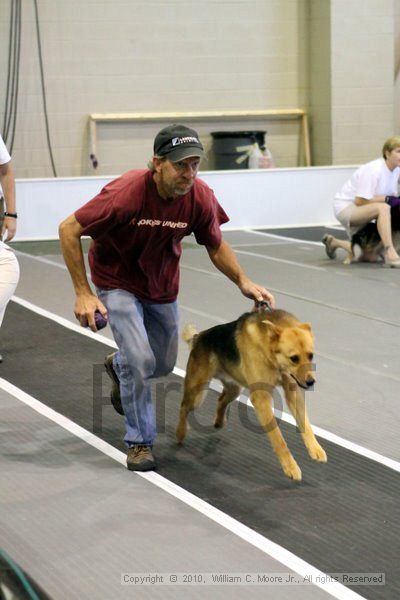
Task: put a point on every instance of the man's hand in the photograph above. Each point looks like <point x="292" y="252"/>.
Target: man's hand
<point x="85" y="307"/>
<point x="256" y="292"/>
<point x="86" y="302"/>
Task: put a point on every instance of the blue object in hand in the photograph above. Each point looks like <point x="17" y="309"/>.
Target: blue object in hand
<point x="99" y="320"/>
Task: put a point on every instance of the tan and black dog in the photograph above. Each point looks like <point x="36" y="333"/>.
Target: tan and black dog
<point x="259" y="351"/>
<point x="366" y="244"/>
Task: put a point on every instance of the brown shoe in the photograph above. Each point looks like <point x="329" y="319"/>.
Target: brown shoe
<point x="115" y="392"/>
<point x="140" y="458"/>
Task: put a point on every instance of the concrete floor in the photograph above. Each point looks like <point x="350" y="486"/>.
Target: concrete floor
<point x="75" y="514"/>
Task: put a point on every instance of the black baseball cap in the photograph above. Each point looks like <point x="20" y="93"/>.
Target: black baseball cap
<point x="177" y="142"/>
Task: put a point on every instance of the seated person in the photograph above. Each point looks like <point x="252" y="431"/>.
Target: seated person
<point x="369" y="195"/>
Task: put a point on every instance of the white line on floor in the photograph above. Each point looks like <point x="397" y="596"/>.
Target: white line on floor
<point x="266" y="244"/>
<point x="281" y="260"/>
<point x="200" y="313"/>
<point x="216" y="386"/>
<point x="340" y="273"/>
<point x="339" y="441"/>
<point x="275" y="290"/>
<point x="64" y="322"/>
<point x="260" y="542"/>
<point x="42" y="259"/>
<point x="283" y="237"/>
<point x="319" y="431"/>
<point x="264" y="256"/>
<point x="219" y="275"/>
<point x="306" y="299"/>
<point x="298" y="240"/>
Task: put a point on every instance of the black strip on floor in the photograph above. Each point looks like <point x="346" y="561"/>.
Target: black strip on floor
<point x="310" y="234"/>
<point x="344" y="516"/>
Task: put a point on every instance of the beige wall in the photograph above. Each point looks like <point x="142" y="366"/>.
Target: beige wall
<point x="320" y="95"/>
<point x="352" y="96"/>
<point x="176" y="55"/>
<point x="102" y="56"/>
<point x="397" y="67"/>
<point x="362" y="59"/>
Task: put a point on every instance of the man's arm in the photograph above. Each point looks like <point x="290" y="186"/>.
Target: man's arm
<point x="8" y="185"/>
<point x="226" y="261"/>
<point x="87" y="302"/>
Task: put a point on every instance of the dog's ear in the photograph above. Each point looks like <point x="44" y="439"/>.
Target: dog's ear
<point x="306" y="326"/>
<point x="273" y="329"/>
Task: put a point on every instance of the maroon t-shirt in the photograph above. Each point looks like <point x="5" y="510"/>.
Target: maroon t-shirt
<point x="137" y="234"/>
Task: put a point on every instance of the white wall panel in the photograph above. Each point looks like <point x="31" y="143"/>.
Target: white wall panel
<point x="274" y="198"/>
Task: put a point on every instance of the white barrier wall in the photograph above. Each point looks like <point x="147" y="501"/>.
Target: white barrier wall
<point x="263" y="198"/>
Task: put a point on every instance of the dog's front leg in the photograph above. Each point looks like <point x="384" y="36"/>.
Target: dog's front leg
<point x="297" y="405"/>
<point x="262" y="402"/>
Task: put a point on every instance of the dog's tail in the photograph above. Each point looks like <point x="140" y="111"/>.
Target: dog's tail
<point x="189" y="334"/>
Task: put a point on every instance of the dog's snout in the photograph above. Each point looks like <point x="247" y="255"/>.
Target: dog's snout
<point x="310" y="381"/>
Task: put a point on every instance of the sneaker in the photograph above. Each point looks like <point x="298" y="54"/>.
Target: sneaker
<point x="140" y="458"/>
<point x="327" y="241"/>
<point x="115" y="392"/>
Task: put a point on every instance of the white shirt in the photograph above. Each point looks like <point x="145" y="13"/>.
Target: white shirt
<point x="4" y="158"/>
<point x="372" y="179"/>
<point x="4" y="155"/>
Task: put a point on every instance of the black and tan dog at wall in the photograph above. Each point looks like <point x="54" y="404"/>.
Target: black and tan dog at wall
<point x="259" y="351"/>
<point x="366" y="244"/>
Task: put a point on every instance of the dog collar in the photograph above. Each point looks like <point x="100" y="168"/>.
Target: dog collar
<point x="262" y="306"/>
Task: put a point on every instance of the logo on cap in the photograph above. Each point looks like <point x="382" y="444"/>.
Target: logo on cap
<point x="184" y="140"/>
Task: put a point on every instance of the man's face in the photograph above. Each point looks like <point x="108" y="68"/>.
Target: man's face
<point x="176" y="178"/>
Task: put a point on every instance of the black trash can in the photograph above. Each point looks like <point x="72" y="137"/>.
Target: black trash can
<point x="225" y="144"/>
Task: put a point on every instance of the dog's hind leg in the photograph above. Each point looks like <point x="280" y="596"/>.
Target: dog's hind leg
<point x="198" y="374"/>
<point x="230" y="392"/>
<point x="296" y="403"/>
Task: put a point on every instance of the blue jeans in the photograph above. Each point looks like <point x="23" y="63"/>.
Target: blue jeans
<point x="147" y="338"/>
